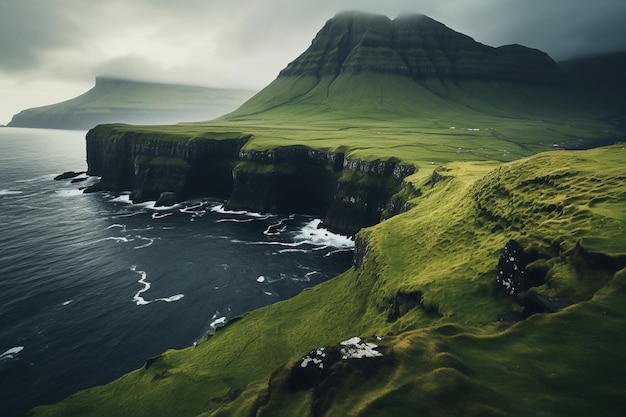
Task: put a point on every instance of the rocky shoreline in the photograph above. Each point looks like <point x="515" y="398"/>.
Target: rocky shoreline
<point x="346" y="193"/>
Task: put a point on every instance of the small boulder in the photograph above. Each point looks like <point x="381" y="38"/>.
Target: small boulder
<point x="67" y="175"/>
<point x="167" y="198"/>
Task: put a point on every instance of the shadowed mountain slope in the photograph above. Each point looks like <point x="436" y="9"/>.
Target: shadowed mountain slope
<point x="366" y="65"/>
<point x="418" y="47"/>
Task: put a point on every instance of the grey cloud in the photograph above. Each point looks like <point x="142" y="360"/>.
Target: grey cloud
<point x="29" y="28"/>
<point x="266" y="36"/>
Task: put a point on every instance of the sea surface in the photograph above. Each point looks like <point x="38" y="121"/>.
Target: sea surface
<point x="92" y="285"/>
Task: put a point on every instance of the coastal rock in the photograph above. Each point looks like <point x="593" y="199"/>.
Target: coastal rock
<point x="150" y="163"/>
<point x="67" y="175"/>
<point x="347" y="193"/>
<point x="167" y="198"/>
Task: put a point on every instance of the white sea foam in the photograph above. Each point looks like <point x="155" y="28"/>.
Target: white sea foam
<point x="9" y="192"/>
<point x="138" y="298"/>
<point x="122" y="198"/>
<point x="313" y="234"/>
<point x="125" y="213"/>
<point x="276" y="229"/>
<point x="39" y="178"/>
<point x="124" y="239"/>
<point x="288" y="244"/>
<point x="68" y="302"/>
<point x="338" y="251"/>
<point x="220" y="209"/>
<point x="150" y="242"/>
<point x="70" y="192"/>
<point x="218" y="322"/>
<point x="171" y="299"/>
<point x="122" y="226"/>
<point x="157" y="215"/>
<point x="294" y="250"/>
<point x="9" y="354"/>
<point x="235" y="220"/>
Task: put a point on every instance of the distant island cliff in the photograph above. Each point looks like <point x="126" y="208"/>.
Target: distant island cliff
<point x="114" y="100"/>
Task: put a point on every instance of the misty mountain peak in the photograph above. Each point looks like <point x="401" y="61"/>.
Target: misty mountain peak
<point x="416" y="46"/>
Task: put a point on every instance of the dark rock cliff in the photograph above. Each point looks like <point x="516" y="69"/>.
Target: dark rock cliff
<point x="419" y="47"/>
<point x="347" y="193"/>
<point x="150" y="164"/>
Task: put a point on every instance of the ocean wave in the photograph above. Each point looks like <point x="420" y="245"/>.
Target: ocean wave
<point x="10" y="354"/>
<point x="149" y="239"/>
<point x="268" y="243"/>
<point x="46" y="177"/>
<point x="219" y="208"/>
<point x="126" y="213"/>
<point x="318" y="236"/>
<point x="293" y="250"/>
<point x="72" y="192"/>
<point x="276" y="229"/>
<point x="121" y="198"/>
<point x="235" y="220"/>
<point x="117" y="239"/>
<point x="219" y="322"/>
<point x="332" y="252"/>
<point x="138" y="298"/>
<point x="10" y="192"/>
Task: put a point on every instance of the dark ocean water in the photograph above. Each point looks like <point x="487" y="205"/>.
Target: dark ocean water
<point x="91" y="285"/>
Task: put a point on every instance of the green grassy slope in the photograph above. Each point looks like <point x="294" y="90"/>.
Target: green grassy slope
<point x="114" y="100"/>
<point x="445" y="354"/>
<point x="425" y="280"/>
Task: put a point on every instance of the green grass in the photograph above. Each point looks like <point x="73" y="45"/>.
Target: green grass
<point x="446" y="354"/>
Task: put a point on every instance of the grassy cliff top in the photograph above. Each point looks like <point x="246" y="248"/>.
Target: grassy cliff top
<point x="426" y="285"/>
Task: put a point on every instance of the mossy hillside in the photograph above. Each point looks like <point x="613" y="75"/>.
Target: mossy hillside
<point x="447" y="345"/>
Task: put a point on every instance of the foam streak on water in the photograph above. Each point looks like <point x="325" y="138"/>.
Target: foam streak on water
<point x="91" y="285"/>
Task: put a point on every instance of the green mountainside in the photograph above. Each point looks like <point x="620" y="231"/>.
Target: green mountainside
<point x="494" y="282"/>
<point x="124" y="101"/>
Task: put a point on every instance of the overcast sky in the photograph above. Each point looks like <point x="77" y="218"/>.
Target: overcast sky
<point x="52" y="50"/>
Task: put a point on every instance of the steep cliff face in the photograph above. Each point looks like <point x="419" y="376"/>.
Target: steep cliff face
<point x="149" y="164"/>
<point x="419" y="47"/>
<point x="347" y="193"/>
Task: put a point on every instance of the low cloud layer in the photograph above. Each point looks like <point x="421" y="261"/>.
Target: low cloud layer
<point x="245" y="43"/>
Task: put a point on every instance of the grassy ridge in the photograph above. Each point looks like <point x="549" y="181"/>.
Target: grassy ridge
<point x="448" y="345"/>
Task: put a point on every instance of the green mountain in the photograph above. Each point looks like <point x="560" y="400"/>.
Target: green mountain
<point x="123" y="101"/>
<point x="365" y="65"/>
<point x="494" y="280"/>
